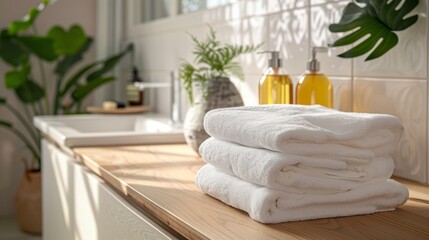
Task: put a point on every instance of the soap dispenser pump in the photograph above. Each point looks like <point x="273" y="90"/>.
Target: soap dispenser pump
<point x="275" y="86"/>
<point x="314" y="87"/>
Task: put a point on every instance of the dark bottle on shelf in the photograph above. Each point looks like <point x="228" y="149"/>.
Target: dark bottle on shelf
<point x="134" y="96"/>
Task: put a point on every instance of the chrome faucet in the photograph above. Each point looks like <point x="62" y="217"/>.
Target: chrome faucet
<point x="175" y="95"/>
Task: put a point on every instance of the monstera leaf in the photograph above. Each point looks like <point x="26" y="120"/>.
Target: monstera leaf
<point x="377" y="20"/>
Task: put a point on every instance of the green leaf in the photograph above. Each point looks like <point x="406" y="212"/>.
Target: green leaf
<point x="388" y="43"/>
<point x="109" y="64"/>
<point x="30" y="92"/>
<point x="234" y="69"/>
<point x="375" y="23"/>
<point x="43" y="47"/>
<point x="3" y="100"/>
<point x="27" y="21"/>
<point x="69" y="61"/>
<point x="10" y="51"/>
<point x="388" y="13"/>
<point x="67" y="42"/>
<point x="351" y="12"/>
<point x="186" y="72"/>
<point x="73" y="80"/>
<point x="14" y="79"/>
<point x="5" y="123"/>
<point x="82" y="91"/>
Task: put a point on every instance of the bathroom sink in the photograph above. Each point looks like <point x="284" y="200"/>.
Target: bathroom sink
<point x="98" y="130"/>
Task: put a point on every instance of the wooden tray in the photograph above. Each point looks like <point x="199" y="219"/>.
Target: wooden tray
<point x="127" y="110"/>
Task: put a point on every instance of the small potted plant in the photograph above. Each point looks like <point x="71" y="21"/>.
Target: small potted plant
<point x="207" y="82"/>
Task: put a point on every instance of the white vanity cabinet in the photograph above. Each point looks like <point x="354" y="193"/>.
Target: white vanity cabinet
<point x="79" y="205"/>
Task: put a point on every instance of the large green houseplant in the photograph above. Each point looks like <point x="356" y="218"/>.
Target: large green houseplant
<point x="24" y="49"/>
<point x="373" y="23"/>
<point x="207" y="78"/>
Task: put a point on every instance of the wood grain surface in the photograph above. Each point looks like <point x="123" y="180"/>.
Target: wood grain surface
<point x="160" y="179"/>
<point x="126" y="110"/>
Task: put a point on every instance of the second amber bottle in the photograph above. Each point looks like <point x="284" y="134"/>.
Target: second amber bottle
<point x="314" y="87"/>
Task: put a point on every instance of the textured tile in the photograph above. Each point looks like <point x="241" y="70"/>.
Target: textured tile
<point x="248" y="88"/>
<point x="253" y="8"/>
<point x="289" y="34"/>
<point x="342" y="93"/>
<point x="284" y="5"/>
<point x="406" y="99"/>
<point x="183" y="42"/>
<point x="247" y="31"/>
<point x="319" y="2"/>
<point x="408" y="59"/>
<point x="321" y="17"/>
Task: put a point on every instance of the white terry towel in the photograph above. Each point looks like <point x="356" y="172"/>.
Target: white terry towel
<point x="294" y="173"/>
<point x="267" y="205"/>
<point x="274" y="127"/>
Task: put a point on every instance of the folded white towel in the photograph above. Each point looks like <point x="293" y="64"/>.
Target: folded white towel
<point x="274" y="127"/>
<point x="267" y="205"/>
<point x="294" y="173"/>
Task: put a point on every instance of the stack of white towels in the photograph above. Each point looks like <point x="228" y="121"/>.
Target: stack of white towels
<point x="284" y="163"/>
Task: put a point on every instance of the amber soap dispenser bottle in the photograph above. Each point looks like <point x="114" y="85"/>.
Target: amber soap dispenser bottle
<point x="314" y="87"/>
<point x="275" y="86"/>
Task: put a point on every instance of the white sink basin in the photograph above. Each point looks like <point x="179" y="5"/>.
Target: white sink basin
<point x="98" y="130"/>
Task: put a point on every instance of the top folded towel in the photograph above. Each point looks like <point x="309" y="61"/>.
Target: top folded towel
<point x="275" y="127"/>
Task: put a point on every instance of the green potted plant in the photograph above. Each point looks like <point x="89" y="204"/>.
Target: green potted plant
<point x="207" y="82"/>
<point x="23" y="50"/>
<point x="376" y="22"/>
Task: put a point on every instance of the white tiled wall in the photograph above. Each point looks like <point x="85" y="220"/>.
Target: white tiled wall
<point x="406" y="99"/>
<point x="394" y="84"/>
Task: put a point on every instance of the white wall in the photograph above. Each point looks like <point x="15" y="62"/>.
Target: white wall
<point x="394" y="84"/>
<point x="64" y="13"/>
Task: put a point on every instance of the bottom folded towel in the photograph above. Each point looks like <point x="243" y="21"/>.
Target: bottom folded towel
<point x="273" y="206"/>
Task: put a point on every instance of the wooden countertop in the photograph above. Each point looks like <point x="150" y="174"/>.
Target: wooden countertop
<point x="160" y="179"/>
